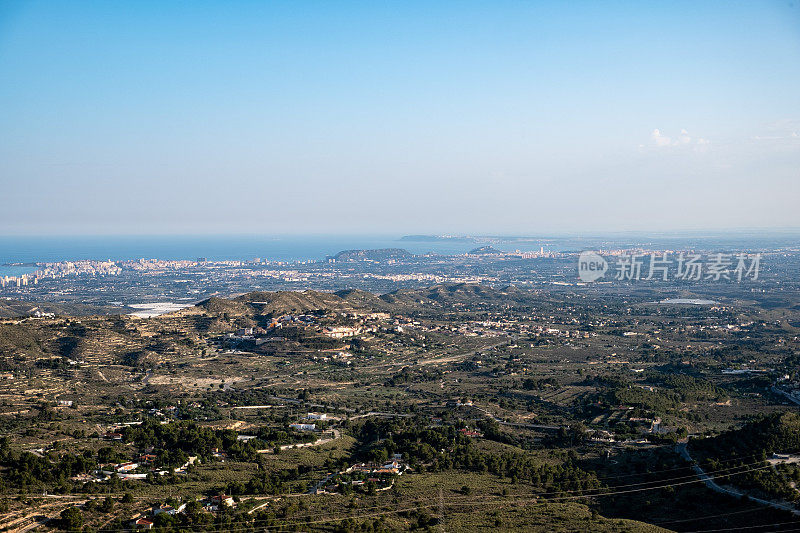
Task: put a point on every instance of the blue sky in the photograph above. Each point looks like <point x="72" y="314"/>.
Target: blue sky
<point x="406" y="117"/>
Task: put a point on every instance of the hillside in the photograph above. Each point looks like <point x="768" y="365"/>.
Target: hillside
<point x="255" y="304"/>
<point x="778" y="433"/>
<point x="746" y="451"/>
<point x="485" y="250"/>
<point x="363" y="299"/>
<point x="17" y="308"/>
<point x="460" y="293"/>
<point x="381" y="254"/>
<point x="283" y="302"/>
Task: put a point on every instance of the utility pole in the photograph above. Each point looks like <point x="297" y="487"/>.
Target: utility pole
<point x="441" y="511"/>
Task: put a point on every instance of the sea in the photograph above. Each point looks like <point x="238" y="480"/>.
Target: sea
<point x="19" y="253"/>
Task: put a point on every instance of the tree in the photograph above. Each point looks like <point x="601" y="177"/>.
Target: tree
<point x="71" y="519"/>
<point x="107" y="505"/>
<point x="163" y="520"/>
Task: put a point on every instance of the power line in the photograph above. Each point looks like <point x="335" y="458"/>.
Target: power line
<point x="742" y="458"/>
<point x="708" y="517"/>
<point x="535" y="499"/>
<point x="739" y="528"/>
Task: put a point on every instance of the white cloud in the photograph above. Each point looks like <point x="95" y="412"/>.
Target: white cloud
<point x="779" y="133"/>
<point x="684" y="139"/>
<point x="660" y="139"/>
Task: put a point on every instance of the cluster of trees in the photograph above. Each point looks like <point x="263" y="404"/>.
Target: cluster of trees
<point x="749" y="446"/>
<point x="175" y="443"/>
<point x="193" y="518"/>
<point x="274" y="436"/>
<point x="660" y="401"/>
<point x="761" y="437"/>
<point x="674" y="389"/>
<point x="245" y="397"/>
<point x="266" y="482"/>
<point x="693" y="389"/>
<point x="407" y="375"/>
<point x="27" y="471"/>
<point x="539" y="384"/>
<point x="445" y="448"/>
<point x="53" y="363"/>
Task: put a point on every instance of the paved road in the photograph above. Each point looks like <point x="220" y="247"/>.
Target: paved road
<point x="320" y="484"/>
<point x="515" y="424"/>
<point x="786" y="395"/>
<point x="709" y="481"/>
<point x="319" y="442"/>
<point x="460" y="356"/>
<point x="379" y="413"/>
<point x="40" y="515"/>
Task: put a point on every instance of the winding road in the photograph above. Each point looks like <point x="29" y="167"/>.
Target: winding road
<point x="709" y="481"/>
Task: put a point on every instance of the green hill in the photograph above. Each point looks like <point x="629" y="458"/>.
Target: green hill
<point x="381" y="254"/>
<point x="17" y="308"/>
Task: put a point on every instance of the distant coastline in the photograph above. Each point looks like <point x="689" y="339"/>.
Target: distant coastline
<point x="437" y="238"/>
<point x="16" y="269"/>
<point x="20" y="254"/>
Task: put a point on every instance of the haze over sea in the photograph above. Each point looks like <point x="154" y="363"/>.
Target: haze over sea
<point x="16" y="250"/>
<point x="31" y="249"/>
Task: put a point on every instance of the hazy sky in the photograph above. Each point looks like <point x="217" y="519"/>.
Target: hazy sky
<point x="482" y="117"/>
